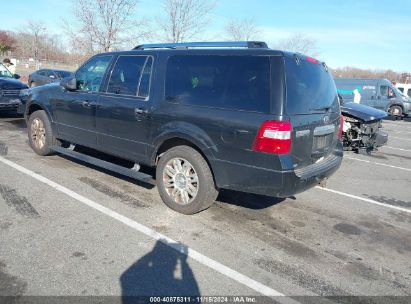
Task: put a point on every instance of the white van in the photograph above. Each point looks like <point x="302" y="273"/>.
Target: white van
<point x="405" y="88"/>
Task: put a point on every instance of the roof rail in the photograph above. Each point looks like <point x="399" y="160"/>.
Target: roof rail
<point x="187" y="45"/>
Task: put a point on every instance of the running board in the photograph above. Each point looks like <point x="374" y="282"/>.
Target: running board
<point x="104" y="164"/>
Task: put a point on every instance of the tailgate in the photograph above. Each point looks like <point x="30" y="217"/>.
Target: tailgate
<point x="313" y="109"/>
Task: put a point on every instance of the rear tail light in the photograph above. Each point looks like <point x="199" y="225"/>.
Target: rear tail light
<point x="312" y="60"/>
<point x="273" y="137"/>
<point x="340" y="129"/>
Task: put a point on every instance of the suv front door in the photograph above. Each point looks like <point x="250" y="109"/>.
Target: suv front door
<point x="385" y="96"/>
<point x="123" y="112"/>
<point x="75" y="110"/>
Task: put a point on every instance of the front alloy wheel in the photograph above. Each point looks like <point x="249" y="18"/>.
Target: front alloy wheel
<point x="38" y="133"/>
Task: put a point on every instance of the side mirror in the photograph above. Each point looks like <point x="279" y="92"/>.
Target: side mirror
<point x="16" y="76"/>
<point x="69" y="83"/>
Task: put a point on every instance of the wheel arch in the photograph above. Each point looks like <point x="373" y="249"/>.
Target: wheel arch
<point x="173" y="140"/>
<point x="35" y="106"/>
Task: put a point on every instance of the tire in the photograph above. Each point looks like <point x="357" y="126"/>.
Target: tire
<point x="177" y="172"/>
<point x="41" y="136"/>
<point x="33" y="84"/>
<point x="396" y="111"/>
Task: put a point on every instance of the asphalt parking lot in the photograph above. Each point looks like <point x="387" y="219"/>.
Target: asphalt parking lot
<point x="67" y="229"/>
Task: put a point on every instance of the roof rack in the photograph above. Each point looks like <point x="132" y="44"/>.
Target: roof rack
<point x="187" y="45"/>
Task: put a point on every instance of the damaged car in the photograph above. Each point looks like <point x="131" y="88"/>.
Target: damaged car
<point x="362" y="127"/>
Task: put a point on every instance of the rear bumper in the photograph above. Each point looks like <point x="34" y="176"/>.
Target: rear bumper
<point x="281" y="183"/>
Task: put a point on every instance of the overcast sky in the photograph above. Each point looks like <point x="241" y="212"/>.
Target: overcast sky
<point x="363" y="33"/>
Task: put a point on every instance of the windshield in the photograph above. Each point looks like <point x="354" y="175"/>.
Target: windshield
<point x="399" y="93"/>
<point x="4" y="72"/>
<point x="62" y="74"/>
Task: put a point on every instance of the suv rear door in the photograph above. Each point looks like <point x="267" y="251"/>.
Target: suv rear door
<point x="313" y="108"/>
<point x="123" y="113"/>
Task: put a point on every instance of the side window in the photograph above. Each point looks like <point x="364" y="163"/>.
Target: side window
<point x="384" y="91"/>
<point x="144" y="86"/>
<point x="409" y="92"/>
<point x="49" y="74"/>
<point x="90" y="75"/>
<point x="41" y="72"/>
<point x="126" y="75"/>
<point x="231" y="82"/>
<point x="401" y="89"/>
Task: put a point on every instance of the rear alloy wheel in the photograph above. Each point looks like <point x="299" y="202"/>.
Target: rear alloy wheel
<point x="396" y="111"/>
<point x="185" y="181"/>
<point x="180" y="181"/>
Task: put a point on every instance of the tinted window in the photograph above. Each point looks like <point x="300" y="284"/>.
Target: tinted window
<point x="50" y="74"/>
<point x="384" y="91"/>
<point x="144" y="87"/>
<point x="409" y="92"/>
<point x="4" y="72"/>
<point x="310" y="87"/>
<point x="126" y="75"/>
<point x="401" y="89"/>
<point x="62" y="74"/>
<point x="41" y="72"/>
<point x="90" y="75"/>
<point x="234" y="82"/>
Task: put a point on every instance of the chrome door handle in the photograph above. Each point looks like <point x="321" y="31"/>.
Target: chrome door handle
<point x="140" y="111"/>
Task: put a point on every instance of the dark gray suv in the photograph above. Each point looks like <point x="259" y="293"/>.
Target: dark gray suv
<point x="206" y="116"/>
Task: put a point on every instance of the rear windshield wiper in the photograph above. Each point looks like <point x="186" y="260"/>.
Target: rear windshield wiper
<point x="325" y="108"/>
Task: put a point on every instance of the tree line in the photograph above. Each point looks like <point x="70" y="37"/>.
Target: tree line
<point x="96" y="26"/>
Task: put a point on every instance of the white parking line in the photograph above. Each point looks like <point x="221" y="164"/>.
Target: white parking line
<point x="195" y="255"/>
<point x="379" y="164"/>
<point x="402" y="138"/>
<point x="393" y="148"/>
<point x="364" y="199"/>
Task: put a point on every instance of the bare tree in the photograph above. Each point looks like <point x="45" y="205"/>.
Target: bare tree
<point x="300" y="43"/>
<point x="352" y="72"/>
<point x="184" y="19"/>
<point x="242" y="30"/>
<point x="103" y="25"/>
<point x="36" y="30"/>
<point x="7" y="42"/>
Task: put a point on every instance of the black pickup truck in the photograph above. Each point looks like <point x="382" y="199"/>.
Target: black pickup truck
<point x="206" y="116"/>
<point x="10" y="88"/>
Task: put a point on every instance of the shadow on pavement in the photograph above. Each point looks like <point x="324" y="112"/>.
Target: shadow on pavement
<point x="393" y="118"/>
<point x="247" y="200"/>
<point x="162" y="272"/>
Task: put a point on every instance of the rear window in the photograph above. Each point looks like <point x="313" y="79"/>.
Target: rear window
<point x="230" y="82"/>
<point x="310" y="87"/>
